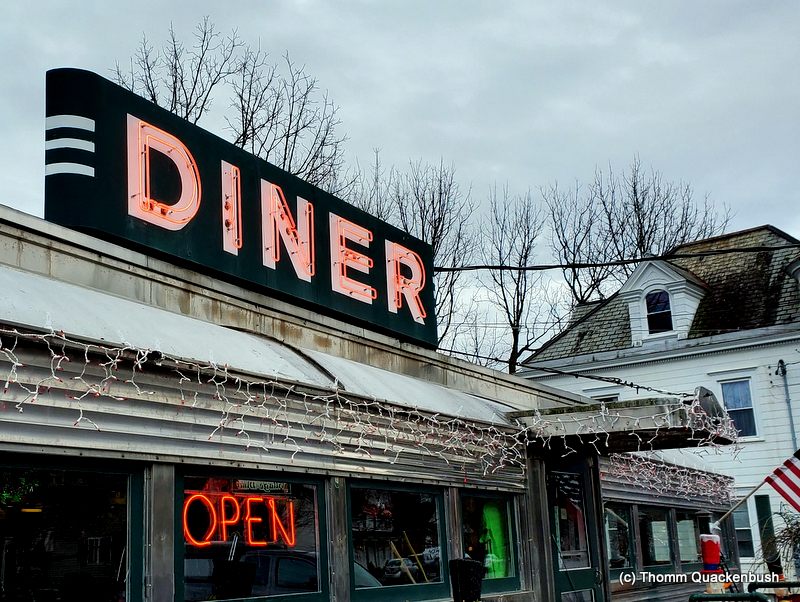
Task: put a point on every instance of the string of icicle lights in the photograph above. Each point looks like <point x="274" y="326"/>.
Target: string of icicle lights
<point x="666" y="479"/>
<point x="273" y="414"/>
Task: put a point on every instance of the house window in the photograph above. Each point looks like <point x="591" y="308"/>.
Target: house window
<point x="744" y="535"/>
<point x="736" y="396"/>
<point x="659" y="312"/>
<point x="619" y="536"/>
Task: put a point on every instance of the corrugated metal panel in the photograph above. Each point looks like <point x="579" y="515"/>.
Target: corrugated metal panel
<point x="34" y="301"/>
<point x="293" y="428"/>
<point x="27" y="300"/>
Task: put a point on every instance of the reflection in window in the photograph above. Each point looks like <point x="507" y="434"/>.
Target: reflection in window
<point x="249" y="538"/>
<point x="396" y="536"/>
<point x="618" y="536"/>
<point x="659" y="313"/>
<point x="63" y="535"/>
<point x="654" y="532"/>
<point x="689" y="536"/>
<point x="739" y="404"/>
<point x="744" y="534"/>
<point x="486" y="535"/>
<point x="569" y="520"/>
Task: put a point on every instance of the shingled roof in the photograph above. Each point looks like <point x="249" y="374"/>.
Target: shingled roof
<point x="744" y="291"/>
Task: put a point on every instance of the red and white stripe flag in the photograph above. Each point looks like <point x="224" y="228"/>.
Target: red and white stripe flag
<point x="786" y="480"/>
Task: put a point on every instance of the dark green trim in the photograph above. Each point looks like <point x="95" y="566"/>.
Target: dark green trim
<point x="136" y="536"/>
<point x="392" y="593"/>
<point x="178" y="551"/>
<point x="322" y="528"/>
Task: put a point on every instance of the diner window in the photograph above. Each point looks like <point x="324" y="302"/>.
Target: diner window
<point x="248" y="538"/>
<point x="570" y="520"/>
<point x="64" y="535"/>
<point x="659" y="312"/>
<point x="739" y="404"/>
<point x="395" y="537"/>
<point x="654" y="533"/>
<point x="619" y="536"/>
<point x="689" y="528"/>
<point x="744" y="533"/>
<point x="486" y="534"/>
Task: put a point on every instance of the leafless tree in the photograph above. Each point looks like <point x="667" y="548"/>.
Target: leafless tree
<point x="180" y="79"/>
<point x="576" y="238"/>
<point x="515" y="225"/>
<point x="636" y="215"/>
<point x="374" y="191"/>
<point x="432" y="206"/>
<point x="278" y="113"/>
<point x="283" y="116"/>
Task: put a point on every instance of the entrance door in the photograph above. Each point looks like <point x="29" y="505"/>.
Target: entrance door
<point x="574" y="532"/>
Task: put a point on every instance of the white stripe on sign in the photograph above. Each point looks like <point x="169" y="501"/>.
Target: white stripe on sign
<point x="69" y="121"/>
<point x="69" y="143"/>
<point x="72" y="168"/>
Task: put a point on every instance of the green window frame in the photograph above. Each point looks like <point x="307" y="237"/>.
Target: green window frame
<point x="323" y="563"/>
<point x="510" y="582"/>
<point x="133" y="554"/>
<point x="419" y="591"/>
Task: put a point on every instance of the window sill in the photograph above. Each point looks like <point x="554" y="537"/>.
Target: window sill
<point x="660" y="336"/>
<point x="751" y="439"/>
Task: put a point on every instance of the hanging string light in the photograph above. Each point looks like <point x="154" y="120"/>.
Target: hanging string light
<point x="266" y="414"/>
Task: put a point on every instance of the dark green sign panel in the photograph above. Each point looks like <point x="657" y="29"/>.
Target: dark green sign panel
<point x="119" y="167"/>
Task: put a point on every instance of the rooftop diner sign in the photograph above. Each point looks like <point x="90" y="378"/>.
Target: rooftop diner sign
<point x="121" y="168"/>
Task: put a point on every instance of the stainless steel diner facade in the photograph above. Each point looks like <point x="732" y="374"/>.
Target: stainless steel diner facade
<point x="168" y="436"/>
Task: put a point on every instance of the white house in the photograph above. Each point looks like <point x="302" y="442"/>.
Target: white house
<point x="729" y="322"/>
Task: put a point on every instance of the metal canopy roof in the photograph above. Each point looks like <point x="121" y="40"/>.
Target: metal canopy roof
<point x="37" y="302"/>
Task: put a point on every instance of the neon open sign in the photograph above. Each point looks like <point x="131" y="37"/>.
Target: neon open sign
<point x="120" y="167"/>
<point x="261" y="519"/>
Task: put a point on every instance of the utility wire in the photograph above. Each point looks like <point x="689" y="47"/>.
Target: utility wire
<point x="606" y="379"/>
<point x="619" y="262"/>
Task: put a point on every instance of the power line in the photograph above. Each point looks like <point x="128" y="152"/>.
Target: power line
<point x="619" y="262"/>
<point x="606" y="379"/>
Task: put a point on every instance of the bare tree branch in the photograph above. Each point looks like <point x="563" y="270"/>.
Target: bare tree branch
<point x="515" y="225"/>
<point x="431" y="206"/>
<point x="278" y="114"/>
<point x="636" y="215"/>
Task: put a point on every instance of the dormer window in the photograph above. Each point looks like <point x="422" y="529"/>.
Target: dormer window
<point x="662" y="300"/>
<point x="659" y="312"/>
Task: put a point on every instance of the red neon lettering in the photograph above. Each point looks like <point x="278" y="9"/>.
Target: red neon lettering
<point x="277" y="222"/>
<point x="142" y="137"/>
<point x="342" y="258"/>
<point x="212" y="513"/>
<point x="398" y="286"/>
<point x="287" y="535"/>
<point x="225" y="510"/>
<point x="225" y="520"/>
<point x="249" y="519"/>
<point x="231" y="208"/>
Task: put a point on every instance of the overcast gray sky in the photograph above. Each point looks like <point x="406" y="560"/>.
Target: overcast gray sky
<point x="520" y="92"/>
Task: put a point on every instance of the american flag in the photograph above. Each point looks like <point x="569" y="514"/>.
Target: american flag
<point x="786" y="480"/>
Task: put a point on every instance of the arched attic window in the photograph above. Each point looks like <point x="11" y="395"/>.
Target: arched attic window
<point x="659" y="312"/>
